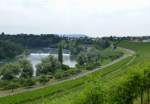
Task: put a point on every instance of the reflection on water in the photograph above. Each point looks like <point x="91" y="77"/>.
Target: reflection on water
<point x="35" y="58"/>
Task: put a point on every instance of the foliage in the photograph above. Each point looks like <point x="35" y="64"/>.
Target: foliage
<point x="28" y="82"/>
<point x="59" y="74"/>
<point x="43" y="79"/>
<point x="93" y="94"/>
<point x="9" y="49"/>
<point x="60" y="53"/>
<point x="11" y="85"/>
<point x="26" y="68"/>
<point x="33" y="41"/>
<point x="48" y="65"/>
<point x="10" y="71"/>
<point x="73" y="71"/>
<point x="52" y="40"/>
<point x="91" y="66"/>
<point x="101" y="43"/>
<point x="65" y="67"/>
<point x="91" y="56"/>
<point x="127" y="88"/>
<point x="110" y="53"/>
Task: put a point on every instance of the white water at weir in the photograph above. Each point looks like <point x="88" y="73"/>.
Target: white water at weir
<point x="35" y="58"/>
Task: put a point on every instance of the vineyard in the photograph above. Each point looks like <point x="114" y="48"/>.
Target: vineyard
<point x="124" y="82"/>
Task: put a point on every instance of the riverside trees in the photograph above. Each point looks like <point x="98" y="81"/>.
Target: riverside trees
<point x="10" y="71"/>
<point x="89" y="59"/>
<point x="48" y="66"/>
<point x="6" y="48"/>
<point x="22" y="68"/>
<point x="16" y="72"/>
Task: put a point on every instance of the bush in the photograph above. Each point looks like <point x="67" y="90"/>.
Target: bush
<point x="43" y="79"/>
<point x="59" y="74"/>
<point x="91" y="66"/>
<point x="73" y="71"/>
<point x="12" y="85"/>
<point x="28" y="82"/>
<point x="65" y="67"/>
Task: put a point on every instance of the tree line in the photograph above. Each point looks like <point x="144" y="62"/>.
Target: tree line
<point x="9" y="50"/>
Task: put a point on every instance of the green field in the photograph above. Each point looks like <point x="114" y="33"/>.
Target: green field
<point x="67" y="92"/>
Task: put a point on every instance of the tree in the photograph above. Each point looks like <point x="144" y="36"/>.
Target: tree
<point x="6" y="48"/>
<point x="10" y="71"/>
<point x="2" y="33"/>
<point x="93" y="55"/>
<point x="26" y="68"/>
<point x="60" y="53"/>
<point x="33" y="41"/>
<point x="90" y="56"/>
<point x="48" y="65"/>
<point x="82" y="58"/>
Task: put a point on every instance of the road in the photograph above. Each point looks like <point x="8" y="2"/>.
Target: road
<point x="128" y="53"/>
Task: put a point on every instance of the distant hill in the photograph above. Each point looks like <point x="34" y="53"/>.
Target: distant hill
<point x="74" y="35"/>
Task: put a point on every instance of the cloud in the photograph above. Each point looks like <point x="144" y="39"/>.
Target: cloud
<point x="75" y="16"/>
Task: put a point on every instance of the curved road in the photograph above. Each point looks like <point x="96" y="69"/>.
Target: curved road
<point x="127" y="52"/>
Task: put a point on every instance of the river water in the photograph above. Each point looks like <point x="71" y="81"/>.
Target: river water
<point x="35" y="58"/>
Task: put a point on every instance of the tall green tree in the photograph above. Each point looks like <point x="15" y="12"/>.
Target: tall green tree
<point x="60" y="53"/>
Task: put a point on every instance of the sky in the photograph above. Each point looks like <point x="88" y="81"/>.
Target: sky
<point x="94" y="18"/>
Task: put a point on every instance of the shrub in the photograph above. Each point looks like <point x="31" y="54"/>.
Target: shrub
<point x="43" y="79"/>
<point x="12" y="85"/>
<point x="59" y="73"/>
<point x="73" y="71"/>
<point x="91" y="66"/>
<point x="65" y="67"/>
<point x="28" y="82"/>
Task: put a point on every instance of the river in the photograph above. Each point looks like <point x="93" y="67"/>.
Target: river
<point x="36" y="57"/>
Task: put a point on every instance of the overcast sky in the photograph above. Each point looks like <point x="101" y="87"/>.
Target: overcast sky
<point x="92" y="17"/>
